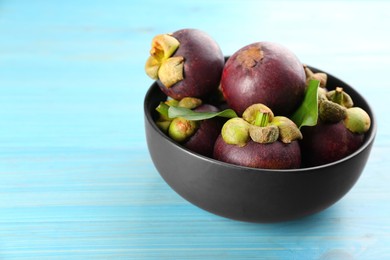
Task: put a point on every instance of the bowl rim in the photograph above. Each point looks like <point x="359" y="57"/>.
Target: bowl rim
<point x="368" y="140"/>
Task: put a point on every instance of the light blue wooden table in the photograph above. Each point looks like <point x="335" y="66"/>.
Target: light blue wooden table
<point x="76" y="179"/>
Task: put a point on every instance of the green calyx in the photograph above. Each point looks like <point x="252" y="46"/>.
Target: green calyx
<point x="178" y="129"/>
<point x="161" y="65"/>
<point x="331" y="112"/>
<point x="357" y="120"/>
<point x="264" y="134"/>
<point x="184" y="109"/>
<point x="288" y="130"/>
<point x="320" y="76"/>
<point x="339" y="96"/>
<point x="236" y="131"/>
<point x="189" y="102"/>
<point x="254" y="113"/>
<point x="259" y="125"/>
<point x="336" y="105"/>
<point x="333" y="105"/>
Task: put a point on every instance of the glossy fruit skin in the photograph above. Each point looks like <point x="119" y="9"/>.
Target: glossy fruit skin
<point x="275" y="78"/>
<point x="203" y="140"/>
<point x="203" y="65"/>
<point x="276" y="155"/>
<point x="326" y="143"/>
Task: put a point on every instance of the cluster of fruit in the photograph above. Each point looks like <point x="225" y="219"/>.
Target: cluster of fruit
<point x="243" y="110"/>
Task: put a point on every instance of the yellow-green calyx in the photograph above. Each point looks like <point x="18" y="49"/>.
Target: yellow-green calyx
<point x="357" y="120"/>
<point x="189" y="102"/>
<point x="236" y="131"/>
<point x="172" y="102"/>
<point x="163" y="125"/>
<point x="288" y="130"/>
<point x="322" y="94"/>
<point x="340" y="97"/>
<point x="333" y="105"/>
<point x="259" y="125"/>
<point x="331" y="112"/>
<point x="180" y="129"/>
<point x="322" y="77"/>
<point x="264" y="134"/>
<point x="164" y="122"/>
<point x="161" y="65"/>
<point x="336" y="105"/>
<point x="251" y="114"/>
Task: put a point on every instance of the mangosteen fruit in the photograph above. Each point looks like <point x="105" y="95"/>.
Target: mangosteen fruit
<point x="186" y="63"/>
<point x="338" y="133"/>
<point x="197" y="136"/>
<point x="202" y="141"/>
<point x="328" y="142"/>
<point x="267" y="73"/>
<point x="259" y="140"/>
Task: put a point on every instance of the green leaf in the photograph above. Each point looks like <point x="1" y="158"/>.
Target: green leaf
<point x="307" y="113"/>
<point x="193" y="115"/>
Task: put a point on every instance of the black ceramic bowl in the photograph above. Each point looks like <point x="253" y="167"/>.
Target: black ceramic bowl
<point x="249" y="194"/>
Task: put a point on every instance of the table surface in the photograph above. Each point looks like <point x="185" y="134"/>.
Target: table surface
<point x="76" y="178"/>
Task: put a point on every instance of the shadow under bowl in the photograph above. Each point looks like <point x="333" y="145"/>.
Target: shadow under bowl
<point x="251" y="194"/>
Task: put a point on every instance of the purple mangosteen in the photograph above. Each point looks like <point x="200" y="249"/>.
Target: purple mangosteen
<point x="267" y="73"/>
<point x="339" y="131"/>
<point x="186" y="63"/>
<point x="259" y="140"/>
<point x="198" y="136"/>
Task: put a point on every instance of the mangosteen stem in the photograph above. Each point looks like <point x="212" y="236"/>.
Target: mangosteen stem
<point x="338" y="96"/>
<point x="254" y="111"/>
<point x="262" y="118"/>
<point x="261" y="131"/>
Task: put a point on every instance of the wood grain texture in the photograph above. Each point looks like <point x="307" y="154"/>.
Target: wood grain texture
<point x="76" y="179"/>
